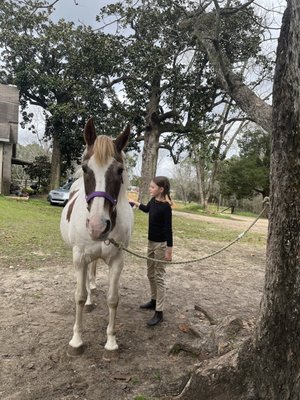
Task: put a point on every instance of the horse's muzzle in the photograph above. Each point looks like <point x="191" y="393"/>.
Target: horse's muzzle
<point x="98" y="229"/>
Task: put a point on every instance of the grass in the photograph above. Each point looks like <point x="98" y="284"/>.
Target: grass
<point x="196" y="230"/>
<point x="211" y="211"/>
<point x="186" y="229"/>
<point x="30" y="236"/>
<point x="29" y="232"/>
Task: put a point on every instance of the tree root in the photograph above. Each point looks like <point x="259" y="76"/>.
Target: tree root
<point x="214" y="379"/>
<point x="206" y="314"/>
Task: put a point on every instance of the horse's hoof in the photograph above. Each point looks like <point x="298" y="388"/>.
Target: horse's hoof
<point x="75" y="351"/>
<point x="89" y="308"/>
<point x="111" y="346"/>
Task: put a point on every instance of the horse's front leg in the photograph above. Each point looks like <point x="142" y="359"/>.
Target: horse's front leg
<point x="90" y="284"/>
<point x="80" y="265"/>
<point x="92" y="274"/>
<point x="115" y="269"/>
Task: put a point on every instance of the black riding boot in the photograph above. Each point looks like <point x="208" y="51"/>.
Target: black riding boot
<point x="150" y="305"/>
<point x="157" y="317"/>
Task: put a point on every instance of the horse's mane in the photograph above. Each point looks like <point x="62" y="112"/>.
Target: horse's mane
<point x="103" y="149"/>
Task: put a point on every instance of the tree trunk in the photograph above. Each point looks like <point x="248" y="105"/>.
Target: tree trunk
<point x="267" y="367"/>
<point x="55" y="163"/>
<point x="151" y="137"/>
<point x="199" y="165"/>
<point x="276" y="343"/>
<point x="212" y="178"/>
<point x="199" y="174"/>
<point x="149" y="161"/>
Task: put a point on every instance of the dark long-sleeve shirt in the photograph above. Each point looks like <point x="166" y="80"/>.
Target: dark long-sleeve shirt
<point x="160" y="221"/>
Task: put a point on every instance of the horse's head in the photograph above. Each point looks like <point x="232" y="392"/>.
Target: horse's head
<point x="103" y="166"/>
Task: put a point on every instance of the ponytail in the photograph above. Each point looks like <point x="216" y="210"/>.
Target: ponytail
<point x="168" y="199"/>
<point x="163" y="181"/>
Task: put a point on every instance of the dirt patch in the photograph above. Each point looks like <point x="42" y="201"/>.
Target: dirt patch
<point x="37" y="316"/>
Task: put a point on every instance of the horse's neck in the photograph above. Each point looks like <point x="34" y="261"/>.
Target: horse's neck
<point x="78" y="173"/>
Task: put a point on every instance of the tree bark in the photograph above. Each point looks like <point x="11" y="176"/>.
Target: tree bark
<point x="151" y="138"/>
<point x="199" y="166"/>
<point x="149" y="161"/>
<point x="200" y="183"/>
<point x="276" y="343"/>
<point x="55" y="163"/>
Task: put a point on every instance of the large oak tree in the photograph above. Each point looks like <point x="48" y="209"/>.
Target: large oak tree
<point x="267" y="366"/>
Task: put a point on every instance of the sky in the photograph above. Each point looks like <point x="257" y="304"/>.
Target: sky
<point x="79" y="11"/>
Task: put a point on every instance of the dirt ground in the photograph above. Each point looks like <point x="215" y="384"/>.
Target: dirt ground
<point x="37" y="316"/>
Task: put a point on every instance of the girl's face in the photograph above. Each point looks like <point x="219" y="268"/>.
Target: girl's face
<point x="154" y="190"/>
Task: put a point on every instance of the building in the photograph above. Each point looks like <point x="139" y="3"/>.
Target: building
<point x="9" y="116"/>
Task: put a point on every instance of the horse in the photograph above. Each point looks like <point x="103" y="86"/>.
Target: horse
<point x="98" y="210"/>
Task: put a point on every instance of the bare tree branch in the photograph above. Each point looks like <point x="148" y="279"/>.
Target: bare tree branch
<point x="250" y="103"/>
<point x="235" y="10"/>
<point x="48" y="6"/>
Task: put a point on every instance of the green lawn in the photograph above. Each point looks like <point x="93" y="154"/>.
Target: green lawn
<point x="211" y="211"/>
<point x="29" y="232"/>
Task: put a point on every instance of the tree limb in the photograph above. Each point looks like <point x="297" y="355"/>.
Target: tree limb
<point x="234" y="10"/>
<point x="248" y="101"/>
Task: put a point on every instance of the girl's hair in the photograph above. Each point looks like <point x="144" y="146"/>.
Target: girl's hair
<point x="163" y="181"/>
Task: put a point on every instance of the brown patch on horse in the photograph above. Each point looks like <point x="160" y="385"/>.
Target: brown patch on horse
<point x="72" y="194"/>
<point x="70" y="207"/>
<point x="89" y="181"/>
<point x="112" y="186"/>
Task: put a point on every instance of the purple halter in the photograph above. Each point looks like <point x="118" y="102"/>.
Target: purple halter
<point x="101" y="194"/>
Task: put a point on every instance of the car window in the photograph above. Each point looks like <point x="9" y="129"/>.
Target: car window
<point x="67" y="186"/>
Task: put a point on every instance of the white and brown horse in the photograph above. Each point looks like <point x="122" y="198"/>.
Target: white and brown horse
<point x="98" y="210"/>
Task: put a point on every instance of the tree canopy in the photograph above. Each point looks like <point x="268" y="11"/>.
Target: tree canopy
<point x="170" y="83"/>
<point x="167" y="81"/>
<point x="248" y="174"/>
<point x="39" y="171"/>
<point x="60" y="68"/>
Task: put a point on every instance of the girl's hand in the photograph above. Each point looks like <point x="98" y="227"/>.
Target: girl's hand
<point x="168" y="254"/>
<point x="136" y="203"/>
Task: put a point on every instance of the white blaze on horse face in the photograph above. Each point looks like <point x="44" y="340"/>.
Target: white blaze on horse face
<point x="98" y="223"/>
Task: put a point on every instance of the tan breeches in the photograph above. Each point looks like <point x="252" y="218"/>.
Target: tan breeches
<point x="156" y="272"/>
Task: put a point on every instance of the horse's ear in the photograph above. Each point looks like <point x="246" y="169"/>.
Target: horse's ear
<point x="90" y="132"/>
<point x="122" y="139"/>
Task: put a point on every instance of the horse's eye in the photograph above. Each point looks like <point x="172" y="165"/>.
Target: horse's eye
<point x="120" y="170"/>
<point x="84" y="168"/>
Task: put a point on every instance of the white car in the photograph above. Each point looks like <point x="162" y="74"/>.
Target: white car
<point x="60" y="196"/>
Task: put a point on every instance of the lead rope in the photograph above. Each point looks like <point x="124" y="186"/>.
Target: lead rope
<point x="239" y="237"/>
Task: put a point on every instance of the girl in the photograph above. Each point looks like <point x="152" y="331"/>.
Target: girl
<point x="160" y="242"/>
